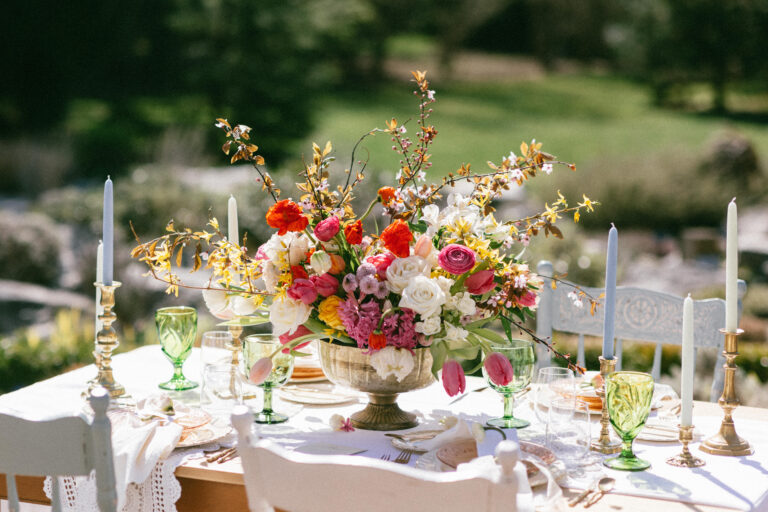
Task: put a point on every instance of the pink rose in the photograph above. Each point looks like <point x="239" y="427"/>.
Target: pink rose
<point x="303" y="290"/>
<point x="480" y="282"/>
<point x="453" y="378"/>
<point x="382" y="263"/>
<point x="260" y="370"/>
<point x="528" y="300"/>
<point x="300" y="331"/>
<point x="456" y="259"/>
<point x="261" y="253"/>
<point x="423" y="247"/>
<point x="326" y="285"/>
<point x="327" y="229"/>
<point x="499" y="369"/>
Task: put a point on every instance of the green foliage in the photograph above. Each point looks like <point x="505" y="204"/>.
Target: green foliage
<point x="29" y="249"/>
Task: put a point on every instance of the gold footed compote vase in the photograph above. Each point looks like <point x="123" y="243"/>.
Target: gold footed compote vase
<point x="351" y="367"/>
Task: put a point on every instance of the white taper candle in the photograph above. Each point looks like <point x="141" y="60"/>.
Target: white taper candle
<point x="99" y="272"/>
<point x="732" y="270"/>
<point x="232" y="233"/>
<point x="107" y="235"/>
<point x="687" y="357"/>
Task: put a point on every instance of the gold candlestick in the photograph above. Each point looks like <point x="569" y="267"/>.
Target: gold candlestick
<point x="106" y="342"/>
<point x="248" y="391"/>
<point x="685" y="459"/>
<point x="727" y="441"/>
<point x="604" y="444"/>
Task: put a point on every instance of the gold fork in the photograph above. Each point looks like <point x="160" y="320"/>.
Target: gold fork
<point x="403" y="457"/>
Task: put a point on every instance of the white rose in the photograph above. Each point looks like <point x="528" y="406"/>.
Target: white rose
<point x="287" y="315"/>
<point x="466" y="305"/>
<point x="429" y="326"/>
<point x="403" y="270"/>
<point x="453" y="333"/>
<point x="424" y="296"/>
<point x="445" y="284"/>
<point x="392" y="361"/>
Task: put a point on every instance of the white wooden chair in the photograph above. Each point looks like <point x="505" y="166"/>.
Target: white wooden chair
<point x="296" y="482"/>
<point x="641" y="315"/>
<point x="64" y="446"/>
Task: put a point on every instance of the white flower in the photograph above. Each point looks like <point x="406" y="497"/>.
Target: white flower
<point x="403" y="270"/>
<point x="424" y="296"/>
<point x="336" y="421"/>
<point x="428" y="326"/>
<point x="454" y="333"/>
<point x="287" y="315"/>
<point x="466" y="305"/>
<point x="242" y="306"/>
<point x="217" y="303"/>
<point x="478" y="432"/>
<point x="547" y="168"/>
<point x="575" y="299"/>
<point x="293" y="246"/>
<point x="270" y="274"/>
<point x="392" y="361"/>
<point x="445" y="284"/>
<point x="320" y="262"/>
<point x="298" y="248"/>
<point x="430" y="214"/>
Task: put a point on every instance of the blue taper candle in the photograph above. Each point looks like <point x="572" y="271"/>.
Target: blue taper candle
<point x="107" y="236"/>
<point x="610" y="292"/>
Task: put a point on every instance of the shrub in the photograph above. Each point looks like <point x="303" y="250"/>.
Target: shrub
<point x="29" y="248"/>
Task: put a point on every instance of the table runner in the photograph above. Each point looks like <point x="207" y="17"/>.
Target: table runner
<point x="736" y="482"/>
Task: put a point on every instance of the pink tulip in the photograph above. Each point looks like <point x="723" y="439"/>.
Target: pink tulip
<point x="381" y="262"/>
<point x="260" y="370"/>
<point x="499" y="369"/>
<point x="423" y="247"/>
<point x="480" y="282"/>
<point x="456" y="259"/>
<point x="303" y="290"/>
<point x="300" y="331"/>
<point x="453" y="378"/>
<point x="326" y="285"/>
<point x="327" y="229"/>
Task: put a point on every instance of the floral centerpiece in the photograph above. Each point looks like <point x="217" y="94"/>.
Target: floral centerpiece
<point x="433" y="278"/>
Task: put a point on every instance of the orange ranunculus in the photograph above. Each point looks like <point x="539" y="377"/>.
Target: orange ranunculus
<point x="298" y="272"/>
<point x="397" y="237"/>
<point x="337" y="264"/>
<point x="377" y="341"/>
<point x="286" y="216"/>
<point x="354" y="232"/>
<point x="386" y="194"/>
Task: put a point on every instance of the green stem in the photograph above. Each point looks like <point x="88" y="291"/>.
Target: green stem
<point x="267" y="408"/>
<point x="509" y="405"/>
<point x="626" y="449"/>
<point x="370" y="207"/>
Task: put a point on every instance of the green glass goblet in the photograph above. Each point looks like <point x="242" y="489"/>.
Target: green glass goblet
<point x="255" y="347"/>
<point x="628" y="396"/>
<point x="521" y="355"/>
<point x="177" y="330"/>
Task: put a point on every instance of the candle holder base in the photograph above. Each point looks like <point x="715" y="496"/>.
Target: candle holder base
<point x="604" y="444"/>
<point x="727" y="441"/>
<point x="685" y="459"/>
<point x="106" y="342"/>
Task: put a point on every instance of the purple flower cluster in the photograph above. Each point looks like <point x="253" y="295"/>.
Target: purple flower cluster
<point x="359" y="319"/>
<point x="399" y="329"/>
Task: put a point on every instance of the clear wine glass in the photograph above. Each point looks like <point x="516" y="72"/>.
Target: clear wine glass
<point x="255" y="347"/>
<point x="521" y="356"/>
<point x="551" y="383"/>
<point x="177" y="330"/>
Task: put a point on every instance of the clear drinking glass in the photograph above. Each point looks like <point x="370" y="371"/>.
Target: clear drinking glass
<point x="215" y="348"/>
<point x="255" y="347"/>
<point x="177" y="330"/>
<point x="628" y="396"/>
<point x="551" y="383"/>
<point x="570" y="431"/>
<point x="522" y="357"/>
<point x="221" y="389"/>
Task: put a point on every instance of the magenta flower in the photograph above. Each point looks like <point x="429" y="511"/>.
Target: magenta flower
<point x="359" y="319"/>
<point x="456" y="259"/>
<point x="400" y="330"/>
<point x="369" y="285"/>
<point x="499" y="369"/>
<point x="480" y="282"/>
<point x="300" y="331"/>
<point x="326" y="285"/>
<point x="327" y="229"/>
<point x="303" y="290"/>
<point x="349" y="283"/>
<point x="454" y="381"/>
<point x="528" y="300"/>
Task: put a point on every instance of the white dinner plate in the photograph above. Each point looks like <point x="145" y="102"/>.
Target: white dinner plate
<point x="321" y="393"/>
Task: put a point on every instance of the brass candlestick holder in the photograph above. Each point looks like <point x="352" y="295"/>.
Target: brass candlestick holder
<point x="106" y="342"/>
<point x="685" y="459"/>
<point x="727" y="441"/>
<point x="604" y="444"/>
<point x="248" y="391"/>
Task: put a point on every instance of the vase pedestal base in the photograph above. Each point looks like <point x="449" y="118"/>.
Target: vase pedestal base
<point x="383" y="413"/>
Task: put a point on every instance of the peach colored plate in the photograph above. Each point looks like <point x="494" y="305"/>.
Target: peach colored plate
<point x="462" y="451"/>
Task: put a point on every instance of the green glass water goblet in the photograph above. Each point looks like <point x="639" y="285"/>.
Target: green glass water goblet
<point x="628" y="396"/>
<point x="177" y="330"/>
<point x="255" y="347"/>
<point x="522" y="357"/>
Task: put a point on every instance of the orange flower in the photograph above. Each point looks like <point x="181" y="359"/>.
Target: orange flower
<point x="286" y="216"/>
<point x="354" y="232"/>
<point x="377" y="341"/>
<point x="397" y="237"/>
<point x="298" y="272"/>
<point x="337" y="264"/>
<point x="386" y="194"/>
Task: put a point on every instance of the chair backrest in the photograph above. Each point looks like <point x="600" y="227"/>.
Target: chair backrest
<point x="277" y="478"/>
<point x="641" y="315"/>
<point x="60" y="447"/>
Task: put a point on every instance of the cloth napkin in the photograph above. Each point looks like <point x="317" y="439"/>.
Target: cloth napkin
<point x="137" y="446"/>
